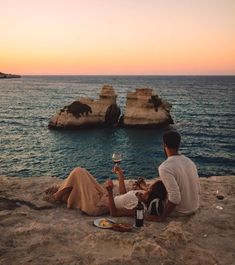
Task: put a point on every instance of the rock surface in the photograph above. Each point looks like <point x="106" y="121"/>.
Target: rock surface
<point x="3" y="75"/>
<point x="35" y="232"/>
<point x="145" y="109"/>
<point x="86" y="112"/>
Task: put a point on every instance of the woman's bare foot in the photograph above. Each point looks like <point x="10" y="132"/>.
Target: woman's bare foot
<point x="50" y="198"/>
<point x="52" y="190"/>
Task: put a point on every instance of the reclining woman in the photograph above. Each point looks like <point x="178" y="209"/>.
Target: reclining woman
<point x="81" y="190"/>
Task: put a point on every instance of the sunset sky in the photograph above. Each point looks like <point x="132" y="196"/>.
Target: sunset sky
<point x="117" y="37"/>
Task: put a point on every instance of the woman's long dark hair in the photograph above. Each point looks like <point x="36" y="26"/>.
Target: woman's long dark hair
<point x="158" y="192"/>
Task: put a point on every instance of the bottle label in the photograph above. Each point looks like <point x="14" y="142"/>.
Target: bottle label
<point x="140" y="214"/>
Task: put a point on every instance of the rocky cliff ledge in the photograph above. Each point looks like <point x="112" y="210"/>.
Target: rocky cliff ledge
<point x="145" y="109"/>
<point x="35" y="232"/>
<point x="87" y="113"/>
<point x="2" y="75"/>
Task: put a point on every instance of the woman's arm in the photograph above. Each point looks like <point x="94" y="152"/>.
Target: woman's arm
<point x="121" y="177"/>
<point x="114" y="211"/>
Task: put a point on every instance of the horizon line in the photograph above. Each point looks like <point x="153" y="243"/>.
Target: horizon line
<point x="127" y="74"/>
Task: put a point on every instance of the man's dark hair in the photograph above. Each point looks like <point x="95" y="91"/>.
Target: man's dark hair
<point x="172" y="139"/>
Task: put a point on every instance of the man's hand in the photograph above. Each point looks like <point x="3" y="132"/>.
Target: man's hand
<point x="109" y="185"/>
<point x="154" y="218"/>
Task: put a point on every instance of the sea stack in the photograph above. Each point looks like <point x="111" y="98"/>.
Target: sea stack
<point x="89" y="113"/>
<point x="146" y="110"/>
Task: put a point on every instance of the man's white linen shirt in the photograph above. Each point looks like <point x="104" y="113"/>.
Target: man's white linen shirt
<point x="180" y="177"/>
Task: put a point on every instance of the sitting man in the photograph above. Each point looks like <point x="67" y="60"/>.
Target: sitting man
<point x="180" y="177"/>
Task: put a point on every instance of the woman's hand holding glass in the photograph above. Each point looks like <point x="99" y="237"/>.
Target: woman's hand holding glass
<point x="118" y="170"/>
<point x="117" y="158"/>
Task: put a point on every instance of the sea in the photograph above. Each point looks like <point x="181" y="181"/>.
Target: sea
<point x="203" y="109"/>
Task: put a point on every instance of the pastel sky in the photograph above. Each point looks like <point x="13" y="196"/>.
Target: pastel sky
<point x="117" y="36"/>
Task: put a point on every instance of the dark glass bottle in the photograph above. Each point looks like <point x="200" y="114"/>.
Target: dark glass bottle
<point x="139" y="215"/>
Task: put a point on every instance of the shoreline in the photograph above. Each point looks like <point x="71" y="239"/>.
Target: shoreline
<point x="53" y="234"/>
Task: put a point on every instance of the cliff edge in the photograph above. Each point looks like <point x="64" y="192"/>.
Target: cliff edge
<point x="35" y="232"/>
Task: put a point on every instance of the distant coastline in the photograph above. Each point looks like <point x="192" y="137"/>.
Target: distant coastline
<point x="3" y="75"/>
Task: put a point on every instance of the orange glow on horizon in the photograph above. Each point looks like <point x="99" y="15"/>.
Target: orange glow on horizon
<point x="116" y="37"/>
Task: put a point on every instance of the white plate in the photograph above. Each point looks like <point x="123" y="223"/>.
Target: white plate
<point x="97" y="223"/>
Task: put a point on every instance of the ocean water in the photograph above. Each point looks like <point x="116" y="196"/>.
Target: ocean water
<point x="203" y="111"/>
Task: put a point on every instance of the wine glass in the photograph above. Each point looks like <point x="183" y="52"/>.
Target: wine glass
<point x="219" y="196"/>
<point x="117" y="158"/>
<point x="218" y="193"/>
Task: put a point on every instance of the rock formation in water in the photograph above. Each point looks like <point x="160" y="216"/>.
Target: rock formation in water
<point x="2" y="75"/>
<point x="145" y="109"/>
<point x="87" y="113"/>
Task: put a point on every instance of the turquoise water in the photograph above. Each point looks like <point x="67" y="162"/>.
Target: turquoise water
<point x="203" y="111"/>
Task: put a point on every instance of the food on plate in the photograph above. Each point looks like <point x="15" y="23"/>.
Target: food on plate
<point x="105" y="223"/>
<point x="122" y="227"/>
